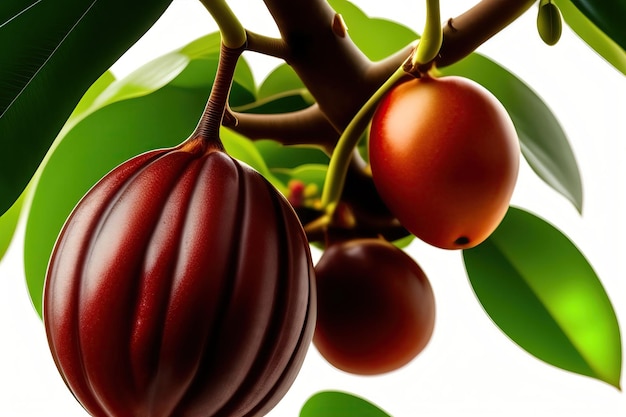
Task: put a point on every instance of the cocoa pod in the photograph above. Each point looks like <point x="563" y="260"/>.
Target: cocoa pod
<point x="180" y="285"/>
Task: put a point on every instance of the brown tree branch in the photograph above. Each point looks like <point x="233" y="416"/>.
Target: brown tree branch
<point x="337" y="73"/>
<point x="327" y="61"/>
<point x="266" y="45"/>
<point x="308" y="126"/>
<point x="463" y="34"/>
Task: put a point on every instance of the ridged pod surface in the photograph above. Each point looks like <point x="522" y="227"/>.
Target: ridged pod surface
<point x="180" y="285"/>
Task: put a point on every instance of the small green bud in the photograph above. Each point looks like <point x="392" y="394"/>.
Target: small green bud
<point x="549" y="22"/>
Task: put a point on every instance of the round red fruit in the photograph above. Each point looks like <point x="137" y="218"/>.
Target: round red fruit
<point x="445" y="157"/>
<point x="376" y="308"/>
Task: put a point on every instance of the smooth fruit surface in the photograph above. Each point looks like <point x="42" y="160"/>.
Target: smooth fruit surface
<point x="445" y="157"/>
<point x="376" y="308"/>
<point x="181" y="284"/>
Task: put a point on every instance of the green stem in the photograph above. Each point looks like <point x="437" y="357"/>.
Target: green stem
<point x="231" y="29"/>
<point x="340" y="159"/>
<point x="432" y="36"/>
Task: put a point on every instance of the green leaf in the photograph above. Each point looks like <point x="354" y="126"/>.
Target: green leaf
<point x="244" y="77"/>
<point x="243" y="149"/>
<point x="309" y="174"/>
<point x="281" y="92"/>
<point x="610" y="47"/>
<point x="283" y="78"/>
<point x="51" y="52"/>
<point x="192" y="66"/>
<point x="607" y="15"/>
<point x="144" y="80"/>
<point x="339" y="404"/>
<point x="279" y="156"/>
<point x="540" y="291"/>
<point x="199" y="74"/>
<point x="202" y="57"/>
<point x="281" y="103"/>
<point x="542" y="139"/>
<point x="393" y="36"/>
<point x="8" y="223"/>
<point x="87" y="102"/>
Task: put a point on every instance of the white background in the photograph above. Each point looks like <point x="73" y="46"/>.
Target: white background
<point x="470" y="368"/>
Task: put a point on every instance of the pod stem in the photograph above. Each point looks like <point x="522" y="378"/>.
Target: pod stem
<point x="208" y="128"/>
<point x="233" y="43"/>
<point x="342" y="154"/>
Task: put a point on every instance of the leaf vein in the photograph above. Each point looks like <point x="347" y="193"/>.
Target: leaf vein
<point x="45" y="62"/>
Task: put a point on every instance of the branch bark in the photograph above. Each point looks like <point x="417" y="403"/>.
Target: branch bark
<point x="338" y="75"/>
<point x="303" y="127"/>
<point x="324" y="57"/>
<point x="463" y="34"/>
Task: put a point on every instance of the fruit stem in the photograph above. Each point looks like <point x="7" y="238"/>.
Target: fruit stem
<point x="231" y="29"/>
<point x="342" y="154"/>
<point x="208" y="128"/>
<point x="432" y="36"/>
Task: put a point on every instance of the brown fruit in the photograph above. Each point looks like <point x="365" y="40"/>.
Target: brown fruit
<point x="376" y="308"/>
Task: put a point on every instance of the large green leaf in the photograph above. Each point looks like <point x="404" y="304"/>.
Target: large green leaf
<point x="50" y="53"/>
<point x="610" y="47"/>
<point x="608" y="15"/>
<point x="543" y="141"/>
<point x="339" y="404"/>
<point x="377" y="38"/>
<point x="541" y="291"/>
<point x="192" y="66"/>
<point x="156" y="73"/>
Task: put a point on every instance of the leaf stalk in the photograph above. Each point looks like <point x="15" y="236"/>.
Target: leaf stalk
<point x="233" y="32"/>
<point x="432" y="36"/>
<point x="340" y="159"/>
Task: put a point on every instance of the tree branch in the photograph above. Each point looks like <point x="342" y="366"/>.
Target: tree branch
<point x="266" y="45"/>
<point x="338" y="75"/>
<point x="308" y="126"/>
<point x="327" y="61"/>
<point x="463" y="34"/>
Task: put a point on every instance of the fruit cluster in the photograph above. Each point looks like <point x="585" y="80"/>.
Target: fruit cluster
<point x="444" y="157"/>
<point x="183" y="284"/>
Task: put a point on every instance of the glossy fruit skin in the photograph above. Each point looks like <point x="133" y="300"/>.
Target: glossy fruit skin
<point x="376" y="307"/>
<point x="181" y="285"/>
<point x="444" y="156"/>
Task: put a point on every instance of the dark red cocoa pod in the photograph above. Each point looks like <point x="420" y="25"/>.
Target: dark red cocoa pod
<point x="180" y="285"/>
